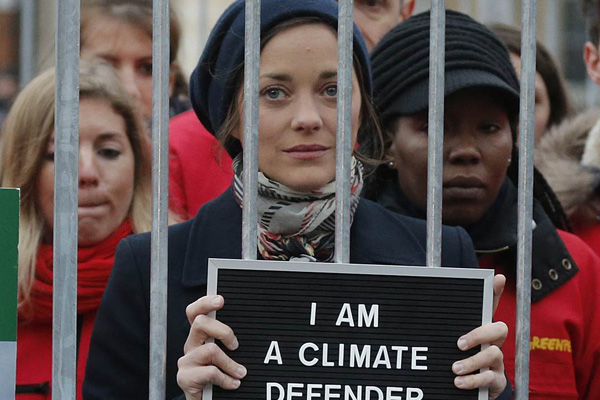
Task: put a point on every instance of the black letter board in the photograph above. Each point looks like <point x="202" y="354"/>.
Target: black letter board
<point x="348" y="331"/>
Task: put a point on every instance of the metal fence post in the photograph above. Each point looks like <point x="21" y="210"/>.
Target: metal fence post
<point x="525" y="201"/>
<point x="66" y="138"/>
<point x="160" y="206"/>
<point x="27" y="44"/>
<point x="435" y="154"/>
<point x="250" y="177"/>
<point x="203" y="26"/>
<point x="343" y="163"/>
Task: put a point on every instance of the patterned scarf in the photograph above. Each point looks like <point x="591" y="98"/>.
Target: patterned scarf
<point x="296" y="225"/>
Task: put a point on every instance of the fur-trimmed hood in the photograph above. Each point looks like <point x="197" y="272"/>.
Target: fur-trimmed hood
<point x="569" y="158"/>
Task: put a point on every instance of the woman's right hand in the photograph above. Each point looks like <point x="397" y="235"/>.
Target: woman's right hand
<point x="202" y="362"/>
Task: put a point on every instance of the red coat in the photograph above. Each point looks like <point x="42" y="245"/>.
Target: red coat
<point x="565" y="329"/>
<point x="34" y="357"/>
<point x="199" y="168"/>
<point x="591" y="235"/>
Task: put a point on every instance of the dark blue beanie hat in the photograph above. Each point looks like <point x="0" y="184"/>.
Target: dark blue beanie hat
<point x="212" y="84"/>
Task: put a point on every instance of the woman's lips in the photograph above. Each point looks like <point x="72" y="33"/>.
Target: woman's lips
<point x="91" y="209"/>
<point x="463" y="188"/>
<point x="307" y="151"/>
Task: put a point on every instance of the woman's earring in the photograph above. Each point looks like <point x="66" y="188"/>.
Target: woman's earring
<point x="509" y="160"/>
<point x="391" y="165"/>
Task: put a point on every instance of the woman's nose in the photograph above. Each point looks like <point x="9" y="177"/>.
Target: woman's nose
<point x="88" y="171"/>
<point x="307" y="115"/>
<point x="129" y="80"/>
<point x="463" y="150"/>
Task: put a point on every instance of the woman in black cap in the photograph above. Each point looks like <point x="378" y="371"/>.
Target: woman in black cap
<point x="296" y="204"/>
<point x="479" y="193"/>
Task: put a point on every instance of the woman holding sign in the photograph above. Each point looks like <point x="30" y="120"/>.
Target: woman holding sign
<point x="479" y="193"/>
<point x="114" y="202"/>
<point x="296" y="207"/>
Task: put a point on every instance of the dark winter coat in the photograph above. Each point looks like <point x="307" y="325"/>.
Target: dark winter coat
<point x="118" y="359"/>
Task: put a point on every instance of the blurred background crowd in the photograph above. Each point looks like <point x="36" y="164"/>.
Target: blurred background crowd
<point x="560" y="29"/>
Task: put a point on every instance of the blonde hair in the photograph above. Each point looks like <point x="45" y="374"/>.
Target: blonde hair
<point x="24" y="141"/>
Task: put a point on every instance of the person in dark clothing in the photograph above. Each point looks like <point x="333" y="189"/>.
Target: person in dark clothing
<point x="297" y="141"/>
<point x="479" y="193"/>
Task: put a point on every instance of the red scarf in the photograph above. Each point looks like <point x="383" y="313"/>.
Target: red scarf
<point x="94" y="264"/>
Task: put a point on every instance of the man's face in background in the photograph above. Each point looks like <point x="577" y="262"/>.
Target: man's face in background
<point x="376" y="17"/>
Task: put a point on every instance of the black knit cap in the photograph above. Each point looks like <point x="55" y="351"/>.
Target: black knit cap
<point x="475" y="57"/>
<point x="212" y="84"/>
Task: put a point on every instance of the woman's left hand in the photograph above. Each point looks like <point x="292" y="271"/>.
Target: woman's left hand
<point x="494" y="379"/>
<point x="491" y="358"/>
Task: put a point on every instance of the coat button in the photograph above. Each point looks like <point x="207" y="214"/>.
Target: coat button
<point x="566" y="263"/>
<point x="536" y="284"/>
<point x="553" y="274"/>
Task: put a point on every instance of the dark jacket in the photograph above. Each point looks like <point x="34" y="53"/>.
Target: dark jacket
<point x="496" y="234"/>
<point x="118" y="359"/>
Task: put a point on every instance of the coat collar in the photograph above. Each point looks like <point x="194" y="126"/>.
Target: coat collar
<point x="216" y="233"/>
<point x="552" y="264"/>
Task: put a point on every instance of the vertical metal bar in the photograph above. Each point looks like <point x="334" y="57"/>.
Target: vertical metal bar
<point x="66" y="172"/>
<point x="27" y="42"/>
<point x="343" y="164"/>
<point x="525" y="198"/>
<point x="203" y="25"/>
<point x="437" y="54"/>
<point x="251" y="68"/>
<point x="160" y="207"/>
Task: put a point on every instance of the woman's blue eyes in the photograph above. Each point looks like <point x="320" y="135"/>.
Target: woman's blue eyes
<point x="331" y="91"/>
<point x="280" y="94"/>
<point x="274" y="94"/>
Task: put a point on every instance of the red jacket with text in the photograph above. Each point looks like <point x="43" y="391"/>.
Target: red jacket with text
<point x="565" y="328"/>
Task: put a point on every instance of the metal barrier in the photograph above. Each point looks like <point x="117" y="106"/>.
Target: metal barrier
<point x="27" y="42"/>
<point x="160" y="198"/>
<point x="344" y="132"/>
<point x="66" y="189"/>
<point x="250" y="176"/>
<point x="525" y="201"/>
<point x="435" y="161"/>
<point x="66" y="128"/>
